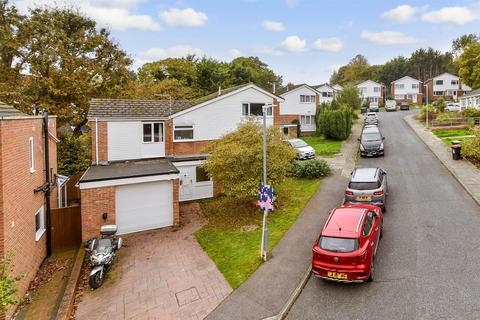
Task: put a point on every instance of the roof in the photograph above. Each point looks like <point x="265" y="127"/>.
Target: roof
<point x="323" y="85"/>
<point x="337" y="87"/>
<point x="406" y="77"/>
<point x="129" y="169"/>
<point x="364" y="175"/>
<point x="132" y="108"/>
<point x="442" y="75"/>
<point x="215" y="94"/>
<point x="9" y="111"/>
<point x="369" y="81"/>
<point x="344" y="222"/>
<point x="475" y="92"/>
<point x="295" y="87"/>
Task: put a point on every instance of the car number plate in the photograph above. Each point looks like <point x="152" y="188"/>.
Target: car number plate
<point x="364" y="198"/>
<point x="336" y="275"/>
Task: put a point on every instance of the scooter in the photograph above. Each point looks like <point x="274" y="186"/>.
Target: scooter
<point x="102" y="254"/>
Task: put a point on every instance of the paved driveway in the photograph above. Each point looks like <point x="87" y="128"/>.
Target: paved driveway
<point x="427" y="265"/>
<point x="159" y="274"/>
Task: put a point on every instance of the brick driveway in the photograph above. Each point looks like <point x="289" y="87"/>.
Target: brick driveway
<point x="161" y="274"/>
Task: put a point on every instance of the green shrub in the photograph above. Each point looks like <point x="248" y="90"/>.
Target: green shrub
<point x="448" y="115"/>
<point x="334" y="124"/>
<point x="314" y="168"/>
<point x="432" y="113"/>
<point x="471" y="148"/>
<point x="440" y="105"/>
<point x="471" y="113"/>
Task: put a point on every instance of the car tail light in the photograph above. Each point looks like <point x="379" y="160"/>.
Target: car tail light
<point x="316" y="254"/>
<point x="350" y="193"/>
<point x="360" y="257"/>
<point x="378" y="193"/>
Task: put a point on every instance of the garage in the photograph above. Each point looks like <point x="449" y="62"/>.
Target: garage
<point x="144" y="206"/>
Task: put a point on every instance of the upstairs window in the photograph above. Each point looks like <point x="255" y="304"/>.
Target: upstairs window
<point x="376" y="89"/>
<point x="31" y="154"/>
<point x="454" y="82"/>
<point x="183" y="133"/>
<point x="439" y="82"/>
<point x="255" y="109"/>
<point x="307" y="98"/>
<point x="399" y="86"/>
<point x="414" y="85"/>
<point x="152" y="132"/>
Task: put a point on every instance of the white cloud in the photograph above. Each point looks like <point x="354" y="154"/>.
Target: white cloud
<point x="387" y="37"/>
<point x="334" y="44"/>
<point x="183" y="17"/>
<point x="294" y="44"/>
<point x="116" y="14"/>
<point x="269" y="51"/>
<point x="273" y="26"/>
<point x="175" y="51"/>
<point x="235" y="53"/>
<point x="456" y="15"/>
<point x="403" y="13"/>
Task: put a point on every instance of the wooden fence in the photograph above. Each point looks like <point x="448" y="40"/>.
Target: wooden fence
<point x="66" y="227"/>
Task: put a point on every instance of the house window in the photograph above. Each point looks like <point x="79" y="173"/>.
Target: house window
<point x="438" y="93"/>
<point x="454" y="82"/>
<point x="439" y="82"/>
<point x="183" y="133"/>
<point x="399" y="96"/>
<point x="330" y="94"/>
<point x="255" y="109"/>
<point x="414" y="85"/>
<point x="376" y="89"/>
<point x="31" y="153"/>
<point x="152" y="132"/>
<point x="201" y="174"/>
<point x="307" y="120"/>
<point x="307" y="99"/>
<point x="399" y="86"/>
<point x="325" y="94"/>
<point x="39" y="223"/>
<point x="409" y="96"/>
<point x="363" y="90"/>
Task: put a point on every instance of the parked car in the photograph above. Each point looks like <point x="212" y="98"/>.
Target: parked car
<point x="303" y="149"/>
<point x="453" y="107"/>
<point x="371" y="118"/>
<point x="390" y="105"/>
<point x="373" y="107"/>
<point x="371" y="142"/>
<point x="346" y="248"/>
<point x="404" y="106"/>
<point x="368" y="185"/>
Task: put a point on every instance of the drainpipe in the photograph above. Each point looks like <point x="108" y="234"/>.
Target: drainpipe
<point x="96" y="141"/>
<point x="47" y="184"/>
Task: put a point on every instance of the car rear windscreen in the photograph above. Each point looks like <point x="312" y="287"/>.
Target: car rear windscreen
<point x="363" y="185"/>
<point x="338" y="244"/>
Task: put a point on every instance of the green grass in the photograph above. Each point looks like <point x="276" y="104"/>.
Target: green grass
<point x="448" y="141"/>
<point x="452" y="133"/>
<point x="322" y="146"/>
<point x="237" y="253"/>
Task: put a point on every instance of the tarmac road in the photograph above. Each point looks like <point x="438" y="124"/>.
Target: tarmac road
<point x="428" y="262"/>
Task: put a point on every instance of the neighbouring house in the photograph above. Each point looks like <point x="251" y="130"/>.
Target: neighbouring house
<point x="337" y="88"/>
<point x="326" y="93"/>
<point x="446" y="86"/>
<point x="23" y="185"/>
<point x="147" y="155"/>
<point x="407" y="89"/>
<point x="371" y="91"/>
<point x="470" y="99"/>
<point x="465" y="89"/>
<point x="300" y="106"/>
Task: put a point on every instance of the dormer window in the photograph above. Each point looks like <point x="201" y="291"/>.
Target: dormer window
<point x="152" y="132"/>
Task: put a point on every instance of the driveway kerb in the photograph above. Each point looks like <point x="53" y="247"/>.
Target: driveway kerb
<point x="439" y="149"/>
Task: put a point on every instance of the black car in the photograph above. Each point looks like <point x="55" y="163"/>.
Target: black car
<point x="371" y="142"/>
<point x="404" y="106"/>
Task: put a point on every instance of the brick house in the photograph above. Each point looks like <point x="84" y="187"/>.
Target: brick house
<point x="407" y="89"/>
<point x="147" y="155"/>
<point x="446" y="86"/>
<point x="23" y="208"/>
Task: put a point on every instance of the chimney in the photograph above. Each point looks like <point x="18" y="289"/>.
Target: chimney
<point x="219" y="90"/>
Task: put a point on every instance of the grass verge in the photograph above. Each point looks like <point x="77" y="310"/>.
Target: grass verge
<point x="232" y="236"/>
<point x="323" y="146"/>
<point x="452" y="133"/>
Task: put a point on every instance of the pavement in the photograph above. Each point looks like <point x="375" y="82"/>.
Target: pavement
<point x="160" y="274"/>
<point x="427" y="262"/>
<point x="464" y="171"/>
<point x="267" y="291"/>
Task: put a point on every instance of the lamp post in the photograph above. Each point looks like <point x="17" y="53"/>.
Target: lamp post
<point x="426" y="101"/>
<point x="264" y="244"/>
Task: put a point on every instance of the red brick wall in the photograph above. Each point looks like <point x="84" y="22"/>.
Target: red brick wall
<point x="19" y="203"/>
<point x="176" y="204"/>
<point x="193" y="147"/>
<point x="169" y="138"/>
<point x="94" y="203"/>
<point x="102" y="141"/>
<point x="279" y="119"/>
<point x="430" y="91"/>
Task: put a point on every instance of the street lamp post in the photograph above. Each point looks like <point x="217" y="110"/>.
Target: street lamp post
<point x="426" y="105"/>
<point x="264" y="244"/>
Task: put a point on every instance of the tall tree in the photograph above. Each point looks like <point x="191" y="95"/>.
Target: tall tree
<point x="469" y="63"/>
<point x="252" y="69"/>
<point x="428" y="63"/>
<point x="459" y="44"/>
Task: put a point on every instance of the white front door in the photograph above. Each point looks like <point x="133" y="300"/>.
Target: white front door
<point x="143" y="206"/>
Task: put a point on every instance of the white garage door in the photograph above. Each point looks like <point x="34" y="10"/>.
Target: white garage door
<point x="144" y="206"/>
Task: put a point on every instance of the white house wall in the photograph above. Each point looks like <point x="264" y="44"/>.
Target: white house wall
<point x="369" y="89"/>
<point x="292" y="104"/>
<point x="220" y="117"/>
<point x="407" y="86"/>
<point x="447" y="83"/>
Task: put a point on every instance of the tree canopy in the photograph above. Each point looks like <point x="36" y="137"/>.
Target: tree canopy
<point x="469" y="63"/>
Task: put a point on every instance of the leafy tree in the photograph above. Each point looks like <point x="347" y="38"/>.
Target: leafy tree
<point x="181" y="70"/>
<point x="349" y="96"/>
<point x="394" y="69"/>
<point x="334" y="123"/>
<point x="74" y="154"/>
<point x="428" y="63"/>
<point x="236" y="159"/>
<point x="469" y="65"/>
<point x="459" y="44"/>
<point x="8" y="285"/>
<point x="210" y="74"/>
<point x="252" y="69"/>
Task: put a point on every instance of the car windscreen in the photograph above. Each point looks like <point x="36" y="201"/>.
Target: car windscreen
<point x="371" y="136"/>
<point x="299" y="144"/>
<point x="338" y="244"/>
<point x="363" y="185"/>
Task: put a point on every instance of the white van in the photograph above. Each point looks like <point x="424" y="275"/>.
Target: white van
<point x="391" y="105"/>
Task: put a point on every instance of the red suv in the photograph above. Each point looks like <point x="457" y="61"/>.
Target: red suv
<point x="346" y="248"/>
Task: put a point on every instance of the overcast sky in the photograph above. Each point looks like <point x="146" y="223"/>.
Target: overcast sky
<point x="304" y="41"/>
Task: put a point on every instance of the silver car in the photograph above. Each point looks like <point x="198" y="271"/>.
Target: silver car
<point x="371" y="118"/>
<point x="368" y="185"/>
<point x="303" y="149"/>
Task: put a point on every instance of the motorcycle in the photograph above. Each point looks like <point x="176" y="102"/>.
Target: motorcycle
<point x="102" y="253"/>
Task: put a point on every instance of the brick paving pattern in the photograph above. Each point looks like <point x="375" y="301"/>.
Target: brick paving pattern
<point x="162" y="274"/>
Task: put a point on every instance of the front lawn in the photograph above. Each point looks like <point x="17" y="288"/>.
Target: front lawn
<point x="232" y="236"/>
<point x="323" y="146"/>
<point x="452" y="133"/>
